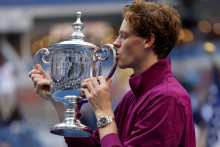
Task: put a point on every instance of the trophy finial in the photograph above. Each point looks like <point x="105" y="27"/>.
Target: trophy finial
<point x="78" y="16"/>
<point x="78" y="26"/>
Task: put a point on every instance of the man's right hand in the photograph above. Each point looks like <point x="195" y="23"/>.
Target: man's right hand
<point x="41" y="82"/>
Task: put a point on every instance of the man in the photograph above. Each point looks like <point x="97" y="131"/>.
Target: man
<point x="157" y="109"/>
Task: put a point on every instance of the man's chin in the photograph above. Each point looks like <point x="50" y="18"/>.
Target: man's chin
<point x="122" y="66"/>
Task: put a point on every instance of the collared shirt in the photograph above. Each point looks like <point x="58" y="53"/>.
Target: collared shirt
<point x="155" y="112"/>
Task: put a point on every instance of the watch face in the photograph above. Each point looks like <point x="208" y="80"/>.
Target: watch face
<point x="103" y="120"/>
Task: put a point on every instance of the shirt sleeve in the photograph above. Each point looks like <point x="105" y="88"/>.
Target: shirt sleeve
<point x="92" y="141"/>
<point x="111" y="140"/>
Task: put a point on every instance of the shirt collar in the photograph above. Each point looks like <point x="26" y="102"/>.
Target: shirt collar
<point x="150" y="77"/>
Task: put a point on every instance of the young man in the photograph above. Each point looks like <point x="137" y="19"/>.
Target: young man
<point x="157" y="109"/>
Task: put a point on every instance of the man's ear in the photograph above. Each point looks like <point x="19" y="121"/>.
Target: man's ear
<point x="149" y="41"/>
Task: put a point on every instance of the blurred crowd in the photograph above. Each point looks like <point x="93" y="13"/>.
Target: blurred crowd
<point x="25" y="119"/>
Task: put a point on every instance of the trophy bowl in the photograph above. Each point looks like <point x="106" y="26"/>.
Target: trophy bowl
<point x="71" y="62"/>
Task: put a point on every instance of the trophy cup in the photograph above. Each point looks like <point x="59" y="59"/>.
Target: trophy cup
<point x="71" y="62"/>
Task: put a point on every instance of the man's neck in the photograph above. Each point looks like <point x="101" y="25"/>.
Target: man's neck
<point x="149" y="61"/>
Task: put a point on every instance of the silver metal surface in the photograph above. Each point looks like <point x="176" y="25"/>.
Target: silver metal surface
<point x="71" y="62"/>
<point x="71" y="126"/>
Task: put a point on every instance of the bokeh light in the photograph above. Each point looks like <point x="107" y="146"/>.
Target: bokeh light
<point x="186" y="35"/>
<point x="216" y="28"/>
<point x="204" y="26"/>
<point x="209" y="47"/>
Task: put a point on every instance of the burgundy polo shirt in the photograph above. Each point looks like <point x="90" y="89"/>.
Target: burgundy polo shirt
<point x="156" y="112"/>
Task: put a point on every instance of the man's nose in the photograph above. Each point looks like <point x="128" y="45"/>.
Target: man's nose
<point x="116" y="43"/>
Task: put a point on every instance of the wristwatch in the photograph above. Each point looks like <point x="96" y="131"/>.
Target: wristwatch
<point x="104" y="121"/>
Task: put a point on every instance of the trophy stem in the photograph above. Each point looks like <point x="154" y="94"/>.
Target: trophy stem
<point x="71" y="126"/>
<point x="72" y="108"/>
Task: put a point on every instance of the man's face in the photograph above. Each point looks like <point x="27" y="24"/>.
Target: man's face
<point x="130" y="47"/>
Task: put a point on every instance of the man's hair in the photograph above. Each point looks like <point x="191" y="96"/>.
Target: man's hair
<point x="160" y="19"/>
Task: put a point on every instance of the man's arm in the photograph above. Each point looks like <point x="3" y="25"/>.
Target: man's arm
<point x="41" y="81"/>
<point x="99" y="98"/>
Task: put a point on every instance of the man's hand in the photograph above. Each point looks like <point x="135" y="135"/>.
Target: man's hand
<point x="97" y="92"/>
<point x="41" y="82"/>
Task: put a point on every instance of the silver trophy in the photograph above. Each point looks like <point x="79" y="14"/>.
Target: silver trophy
<point x="71" y="62"/>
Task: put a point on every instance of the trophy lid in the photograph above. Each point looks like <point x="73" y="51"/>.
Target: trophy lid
<point x="77" y="38"/>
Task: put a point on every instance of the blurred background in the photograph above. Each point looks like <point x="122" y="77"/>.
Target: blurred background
<point x="29" y="25"/>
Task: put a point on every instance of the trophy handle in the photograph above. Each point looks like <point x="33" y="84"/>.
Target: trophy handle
<point x="106" y="49"/>
<point x="41" y="54"/>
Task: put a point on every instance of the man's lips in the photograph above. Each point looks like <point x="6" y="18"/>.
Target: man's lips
<point x="117" y="55"/>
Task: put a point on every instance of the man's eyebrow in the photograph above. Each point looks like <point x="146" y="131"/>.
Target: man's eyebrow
<point x="122" y="32"/>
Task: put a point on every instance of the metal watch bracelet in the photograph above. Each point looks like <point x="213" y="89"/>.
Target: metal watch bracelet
<point x="104" y="121"/>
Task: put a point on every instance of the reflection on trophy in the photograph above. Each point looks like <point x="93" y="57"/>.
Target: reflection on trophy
<point x="71" y="62"/>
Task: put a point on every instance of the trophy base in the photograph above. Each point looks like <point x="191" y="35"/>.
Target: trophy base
<point x="71" y="125"/>
<point x="71" y="130"/>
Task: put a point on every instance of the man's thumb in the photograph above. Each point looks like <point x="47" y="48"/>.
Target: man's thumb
<point x="39" y="67"/>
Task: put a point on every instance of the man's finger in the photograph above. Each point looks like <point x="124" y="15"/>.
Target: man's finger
<point x="34" y="71"/>
<point x="101" y="80"/>
<point x="42" y="83"/>
<point x="38" y="67"/>
<point x="87" y="93"/>
<point x="87" y="80"/>
<point x="36" y="76"/>
<point x="89" y="86"/>
<point x="94" y="82"/>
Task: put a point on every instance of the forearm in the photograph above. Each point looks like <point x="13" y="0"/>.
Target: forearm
<point x="109" y="133"/>
<point x="111" y="128"/>
<point x="60" y="109"/>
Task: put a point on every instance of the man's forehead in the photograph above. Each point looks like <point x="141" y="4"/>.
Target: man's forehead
<point x="125" y="27"/>
<point x="124" y="23"/>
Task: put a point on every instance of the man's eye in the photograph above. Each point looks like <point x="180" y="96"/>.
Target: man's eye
<point x="124" y="36"/>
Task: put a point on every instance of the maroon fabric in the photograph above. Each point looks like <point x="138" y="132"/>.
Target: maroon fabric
<point x="156" y="112"/>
